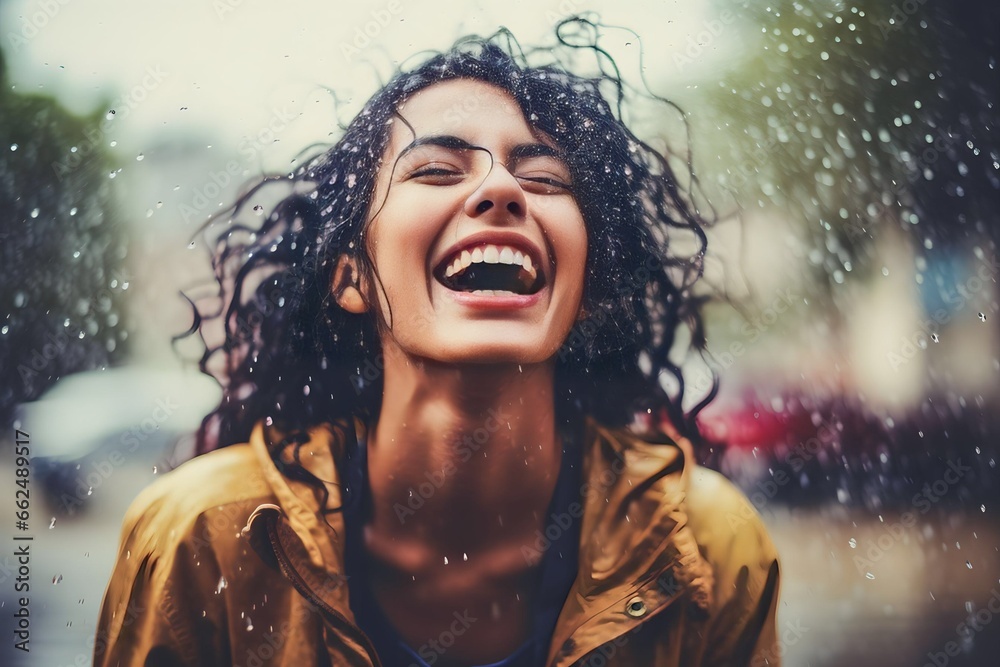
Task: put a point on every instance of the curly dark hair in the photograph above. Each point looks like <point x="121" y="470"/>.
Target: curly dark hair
<point x="292" y="357"/>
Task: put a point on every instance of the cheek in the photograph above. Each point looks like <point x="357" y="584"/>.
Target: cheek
<point x="575" y="244"/>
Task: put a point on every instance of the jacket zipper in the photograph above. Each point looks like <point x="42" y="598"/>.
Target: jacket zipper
<point x="302" y="587"/>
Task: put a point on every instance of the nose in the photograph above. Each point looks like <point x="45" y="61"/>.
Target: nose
<point x="499" y="193"/>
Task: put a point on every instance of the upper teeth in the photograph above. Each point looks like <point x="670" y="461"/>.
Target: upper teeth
<point x="491" y="254"/>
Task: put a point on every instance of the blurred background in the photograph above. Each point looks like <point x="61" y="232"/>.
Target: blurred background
<point x="849" y="150"/>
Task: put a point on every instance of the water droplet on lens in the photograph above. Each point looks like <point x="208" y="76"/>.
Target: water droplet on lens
<point x="52" y="524"/>
<point x="56" y="579"/>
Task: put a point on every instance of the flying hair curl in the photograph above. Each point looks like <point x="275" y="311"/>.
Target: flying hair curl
<point x="293" y="358"/>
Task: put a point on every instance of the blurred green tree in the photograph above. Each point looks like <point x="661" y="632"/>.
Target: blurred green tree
<point x="62" y="247"/>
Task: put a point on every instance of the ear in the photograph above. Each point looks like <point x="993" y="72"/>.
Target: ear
<point x="346" y="285"/>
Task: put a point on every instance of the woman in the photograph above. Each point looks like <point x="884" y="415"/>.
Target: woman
<point x="427" y="451"/>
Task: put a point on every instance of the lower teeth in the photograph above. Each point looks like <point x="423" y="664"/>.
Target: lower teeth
<point x="494" y="292"/>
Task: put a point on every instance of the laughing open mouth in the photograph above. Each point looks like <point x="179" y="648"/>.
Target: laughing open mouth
<point x="490" y="269"/>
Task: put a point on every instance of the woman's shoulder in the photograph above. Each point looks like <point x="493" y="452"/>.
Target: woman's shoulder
<point x="724" y="523"/>
<point x="213" y="490"/>
<point x="726" y="526"/>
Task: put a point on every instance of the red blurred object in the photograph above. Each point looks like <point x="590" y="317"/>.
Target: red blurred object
<point x="745" y="425"/>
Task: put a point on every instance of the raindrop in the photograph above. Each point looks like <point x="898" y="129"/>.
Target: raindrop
<point x="90" y="490"/>
<point x="13" y="147"/>
<point x="56" y="579"/>
<point x="73" y="210"/>
<point x="465" y="556"/>
<point x="968" y="565"/>
<point x="869" y="575"/>
<point x="853" y="543"/>
<point x="139" y="157"/>
<point x="34" y="212"/>
<point x="982" y="317"/>
<point x="154" y="470"/>
<point x="445" y="560"/>
<point x="52" y="523"/>
<point x="223" y="584"/>
<point x="934" y="337"/>
<point x="249" y="624"/>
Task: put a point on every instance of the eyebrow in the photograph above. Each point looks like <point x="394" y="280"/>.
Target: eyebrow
<point x="519" y="152"/>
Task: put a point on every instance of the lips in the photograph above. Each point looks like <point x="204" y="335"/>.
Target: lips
<point x="491" y="266"/>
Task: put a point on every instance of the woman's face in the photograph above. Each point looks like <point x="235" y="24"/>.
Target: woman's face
<point x="478" y="242"/>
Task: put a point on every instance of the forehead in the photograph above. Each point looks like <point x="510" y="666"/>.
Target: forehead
<point x="475" y="111"/>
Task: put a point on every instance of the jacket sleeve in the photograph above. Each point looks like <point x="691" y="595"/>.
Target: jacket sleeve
<point x="742" y="625"/>
<point x="162" y="596"/>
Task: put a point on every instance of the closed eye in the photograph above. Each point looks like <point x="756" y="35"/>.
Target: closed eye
<point x="434" y="173"/>
<point x="545" y="184"/>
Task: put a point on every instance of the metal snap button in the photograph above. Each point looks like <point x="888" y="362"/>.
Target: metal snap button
<point x="636" y="607"/>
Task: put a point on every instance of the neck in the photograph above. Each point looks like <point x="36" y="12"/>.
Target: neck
<point x="462" y="458"/>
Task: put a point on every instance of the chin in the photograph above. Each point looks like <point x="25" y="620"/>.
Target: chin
<point x="493" y="352"/>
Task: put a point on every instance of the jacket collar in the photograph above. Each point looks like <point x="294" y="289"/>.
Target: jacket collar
<point x="637" y="554"/>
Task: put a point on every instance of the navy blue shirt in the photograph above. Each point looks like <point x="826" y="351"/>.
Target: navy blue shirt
<point x="555" y="576"/>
